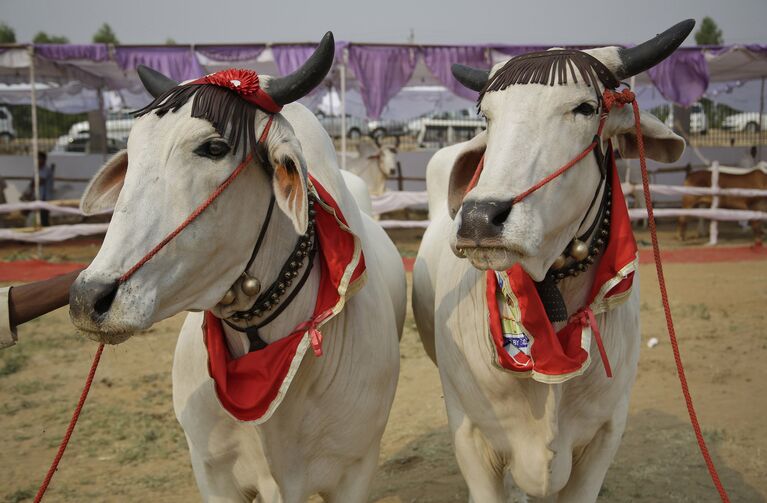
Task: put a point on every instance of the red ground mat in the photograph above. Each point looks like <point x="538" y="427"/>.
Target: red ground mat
<point x="34" y="270"/>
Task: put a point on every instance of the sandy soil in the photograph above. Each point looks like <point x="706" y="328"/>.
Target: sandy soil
<point x="128" y="446"/>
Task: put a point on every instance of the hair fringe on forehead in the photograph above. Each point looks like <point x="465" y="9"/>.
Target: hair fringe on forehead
<point x="549" y="68"/>
<point x="231" y="116"/>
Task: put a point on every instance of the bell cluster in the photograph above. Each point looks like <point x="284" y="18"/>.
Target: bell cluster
<point x="583" y="255"/>
<point x="273" y="295"/>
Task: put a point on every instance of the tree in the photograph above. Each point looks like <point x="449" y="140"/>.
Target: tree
<point x="44" y="38"/>
<point x="170" y="41"/>
<point x="709" y="33"/>
<point x="7" y="35"/>
<point x="105" y="35"/>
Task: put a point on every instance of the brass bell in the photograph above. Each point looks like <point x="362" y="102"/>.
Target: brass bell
<point x="579" y="250"/>
<point x="228" y="298"/>
<point x="560" y="262"/>
<point x="250" y="286"/>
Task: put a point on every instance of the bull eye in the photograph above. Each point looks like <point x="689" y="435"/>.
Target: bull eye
<point x="213" y="149"/>
<point x="586" y="109"/>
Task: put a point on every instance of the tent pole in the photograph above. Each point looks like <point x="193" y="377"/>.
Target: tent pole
<point x="761" y="115"/>
<point x="35" y="146"/>
<point x="342" y="69"/>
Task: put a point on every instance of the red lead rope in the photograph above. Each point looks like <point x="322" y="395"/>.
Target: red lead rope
<point x="122" y="279"/>
<point x="620" y="99"/>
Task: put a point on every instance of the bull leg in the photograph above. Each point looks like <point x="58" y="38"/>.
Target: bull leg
<point x="756" y="226"/>
<point x="681" y="228"/>
<point x="219" y="485"/>
<point x="476" y="460"/>
<point x="591" y="466"/>
<point x="354" y="486"/>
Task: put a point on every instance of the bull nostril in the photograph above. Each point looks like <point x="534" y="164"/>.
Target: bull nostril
<point x="500" y="218"/>
<point x="104" y="302"/>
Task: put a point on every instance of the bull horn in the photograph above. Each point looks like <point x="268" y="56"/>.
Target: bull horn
<point x="637" y="59"/>
<point x="298" y="84"/>
<point x="472" y="78"/>
<point x="155" y="82"/>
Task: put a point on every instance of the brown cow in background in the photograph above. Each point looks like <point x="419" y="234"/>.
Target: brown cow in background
<point x="756" y="179"/>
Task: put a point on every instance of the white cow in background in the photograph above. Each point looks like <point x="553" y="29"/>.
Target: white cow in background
<point x="324" y="436"/>
<point x="554" y="442"/>
<point x="375" y="164"/>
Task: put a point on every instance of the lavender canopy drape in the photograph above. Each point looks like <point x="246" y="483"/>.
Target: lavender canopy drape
<point x="63" y="52"/>
<point x="178" y="63"/>
<point x="231" y="53"/>
<point x="381" y="72"/>
<point x="682" y="77"/>
<point x="440" y="59"/>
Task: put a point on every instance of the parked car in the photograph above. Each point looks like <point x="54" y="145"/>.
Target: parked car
<point x="446" y="128"/>
<point x="698" y="121"/>
<point x="118" y="126"/>
<point x="7" y="132"/>
<point x="744" y="121"/>
<point x="383" y="128"/>
<point x="82" y="144"/>
<point x="355" y="127"/>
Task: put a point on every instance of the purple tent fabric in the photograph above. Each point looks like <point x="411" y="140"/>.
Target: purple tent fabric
<point x="231" y="53"/>
<point x="682" y="77"/>
<point x="178" y="63"/>
<point x="440" y="59"/>
<point x="289" y="58"/>
<point x="62" y="52"/>
<point x="382" y="72"/>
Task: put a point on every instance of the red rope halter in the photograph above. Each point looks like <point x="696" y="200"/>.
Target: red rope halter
<point x="122" y="279"/>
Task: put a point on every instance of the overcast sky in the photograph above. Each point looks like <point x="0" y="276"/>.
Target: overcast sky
<point x="432" y="21"/>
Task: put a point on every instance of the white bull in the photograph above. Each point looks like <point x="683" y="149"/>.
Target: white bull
<point x="324" y="436"/>
<point x="553" y="441"/>
<point x="374" y="164"/>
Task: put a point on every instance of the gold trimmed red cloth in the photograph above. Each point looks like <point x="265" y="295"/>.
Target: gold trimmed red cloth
<point x="534" y="348"/>
<point x="251" y="387"/>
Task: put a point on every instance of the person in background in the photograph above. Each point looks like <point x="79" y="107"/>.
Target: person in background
<point x="748" y="161"/>
<point x="20" y="304"/>
<point x="47" y="175"/>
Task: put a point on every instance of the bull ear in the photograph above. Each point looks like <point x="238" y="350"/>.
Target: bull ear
<point x="463" y="170"/>
<point x="289" y="183"/>
<point x="104" y="188"/>
<point x="661" y="143"/>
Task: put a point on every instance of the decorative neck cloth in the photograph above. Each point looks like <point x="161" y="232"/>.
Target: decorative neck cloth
<point x="245" y="83"/>
<point x="250" y="388"/>
<point x="524" y="339"/>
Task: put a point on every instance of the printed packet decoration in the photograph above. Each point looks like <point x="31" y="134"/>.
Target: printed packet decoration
<point x="515" y="341"/>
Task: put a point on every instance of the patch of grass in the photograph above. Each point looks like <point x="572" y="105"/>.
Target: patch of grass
<point x="714" y="436"/>
<point x="10" y="409"/>
<point x="699" y="311"/>
<point x="35" y="386"/>
<point x="19" y="496"/>
<point x="12" y="363"/>
<point x="155" y="481"/>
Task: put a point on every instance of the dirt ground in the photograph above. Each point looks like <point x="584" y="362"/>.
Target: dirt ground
<point x="128" y="446"/>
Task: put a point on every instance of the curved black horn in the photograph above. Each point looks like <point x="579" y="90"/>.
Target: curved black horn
<point x="154" y="82"/>
<point x="298" y="84"/>
<point x="637" y="59"/>
<point x="470" y="77"/>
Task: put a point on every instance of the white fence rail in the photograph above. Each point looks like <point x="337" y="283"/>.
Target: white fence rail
<point x="398" y="200"/>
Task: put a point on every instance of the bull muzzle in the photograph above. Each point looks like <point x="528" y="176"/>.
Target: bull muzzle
<point x="90" y="303"/>
<point x="482" y="223"/>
